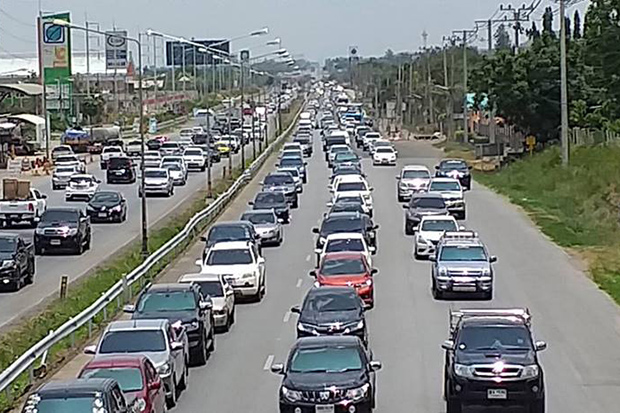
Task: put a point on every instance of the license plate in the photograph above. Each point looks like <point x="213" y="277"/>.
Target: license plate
<point x="464" y="288"/>
<point x="325" y="408"/>
<point x="102" y="215"/>
<point x="55" y="242"/>
<point x="119" y="173"/>
<point x="497" y="394"/>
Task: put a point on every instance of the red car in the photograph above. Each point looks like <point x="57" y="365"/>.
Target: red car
<point x="349" y="269"/>
<point x="138" y="379"/>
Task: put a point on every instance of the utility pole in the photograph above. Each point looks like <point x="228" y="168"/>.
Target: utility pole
<point x="490" y="35"/>
<point x="521" y="14"/>
<point x="564" y="87"/>
<point x="465" y="33"/>
<point x="429" y="81"/>
<point x="155" y="86"/>
<point x="87" y="35"/>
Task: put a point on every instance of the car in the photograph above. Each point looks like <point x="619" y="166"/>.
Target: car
<point x="71" y="160"/>
<point x="231" y="231"/>
<point x="420" y="205"/>
<point x="137" y="378"/>
<point x="462" y="265"/>
<point x="61" y="150"/>
<point x="327" y="374"/>
<point x="195" y="158"/>
<point x="180" y="303"/>
<point x="165" y="344"/>
<point x="154" y="144"/>
<point x="360" y="131"/>
<point x="157" y="181"/>
<point x="379" y="143"/>
<point x="352" y="185"/>
<point x="175" y="159"/>
<point x="63" y="229"/>
<point x="347" y="269"/>
<point x="77" y="395"/>
<point x="152" y="159"/>
<point x="121" y="169"/>
<point x="185" y="141"/>
<point x="210" y="153"/>
<point x="368" y="139"/>
<point x="18" y="263"/>
<point x="295" y="162"/>
<point x="241" y="265"/>
<point x="176" y="171"/>
<point x="352" y="198"/>
<point x="222" y="148"/>
<point x="292" y="153"/>
<point x="108" y="152"/>
<point x="267" y="225"/>
<point x="222" y="296"/>
<point x="81" y="187"/>
<point x="296" y="146"/>
<point x="107" y="206"/>
<point x="273" y="200"/>
<point x="336" y="149"/>
<point x="294" y="172"/>
<point x="345" y="158"/>
<point x="335" y="137"/>
<point x="491" y="360"/>
<point x="345" y="207"/>
<point x="430" y="231"/>
<point x="384" y="155"/>
<point x="282" y="182"/>
<point x="456" y="169"/>
<point x="170" y="148"/>
<point x="452" y="192"/>
<point x="29" y="209"/>
<point x="412" y="179"/>
<point x="233" y="142"/>
<point x="61" y="175"/>
<point x="306" y="143"/>
<point x="134" y="148"/>
<point x="346" y="222"/>
<point x="187" y="132"/>
<point x="346" y="242"/>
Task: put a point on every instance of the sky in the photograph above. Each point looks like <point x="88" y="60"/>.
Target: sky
<point x="314" y="29"/>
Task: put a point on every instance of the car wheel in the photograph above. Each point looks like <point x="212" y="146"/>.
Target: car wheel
<point x="55" y="187"/>
<point x="296" y="204"/>
<point x="232" y="315"/>
<point x="408" y="229"/>
<point x="171" y="400"/>
<point x="537" y="406"/>
<point x="453" y="406"/>
<point x="488" y="296"/>
<point x="17" y="284"/>
<point x="415" y="253"/>
<point x="211" y="347"/>
<point x="201" y="354"/>
<point x="38" y="250"/>
<point x="183" y="383"/>
<point x="31" y="271"/>
<point x="462" y="215"/>
<point x="438" y="295"/>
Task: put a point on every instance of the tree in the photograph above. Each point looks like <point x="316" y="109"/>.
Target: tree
<point x="576" y="25"/>
<point x="548" y="22"/>
<point x="533" y="32"/>
<point x="502" y="38"/>
<point x="568" y="29"/>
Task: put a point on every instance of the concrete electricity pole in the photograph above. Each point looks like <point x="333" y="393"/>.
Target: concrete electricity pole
<point x="564" y="86"/>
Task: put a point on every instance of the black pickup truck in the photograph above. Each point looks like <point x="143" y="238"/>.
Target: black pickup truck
<point x="17" y="262"/>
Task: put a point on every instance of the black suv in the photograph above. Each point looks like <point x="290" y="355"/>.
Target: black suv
<point x="457" y="169"/>
<point x="491" y="360"/>
<point x="282" y="182"/>
<point x="62" y="229"/>
<point x="338" y="222"/>
<point x="17" y="258"/>
<point x="79" y="395"/>
<point x="273" y="200"/>
<point x="231" y="231"/>
<point x="420" y="205"/>
<point x="332" y="311"/>
<point x="184" y="303"/>
<point x="328" y="374"/>
<point x="121" y="170"/>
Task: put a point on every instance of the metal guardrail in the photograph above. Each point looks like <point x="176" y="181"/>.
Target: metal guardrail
<point x="25" y="363"/>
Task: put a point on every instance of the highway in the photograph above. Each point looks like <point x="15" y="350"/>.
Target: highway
<point x="107" y="238"/>
<point x="579" y="322"/>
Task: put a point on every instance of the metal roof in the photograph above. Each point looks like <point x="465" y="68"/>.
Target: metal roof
<point x="30" y="89"/>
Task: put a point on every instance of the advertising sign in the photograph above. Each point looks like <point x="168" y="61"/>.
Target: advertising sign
<point x="116" y="49"/>
<point x="55" y="60"/>
<point x="176" y="50"/>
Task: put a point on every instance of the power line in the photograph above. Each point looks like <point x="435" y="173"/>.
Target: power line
<point x="10" y="17"/>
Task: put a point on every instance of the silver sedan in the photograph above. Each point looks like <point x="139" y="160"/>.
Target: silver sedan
<point x="268" y="226"/>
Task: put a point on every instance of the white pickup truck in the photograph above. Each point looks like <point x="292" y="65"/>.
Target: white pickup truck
<point x="18" y="210"/>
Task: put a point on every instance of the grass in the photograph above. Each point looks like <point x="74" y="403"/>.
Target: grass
<point x="578" y="207"/>
<point x="87" y="289"/>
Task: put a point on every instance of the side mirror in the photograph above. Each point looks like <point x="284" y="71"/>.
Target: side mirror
<point x="296" y="310"/>
<point x="371" y="189"/>
<point x="437" y="167"/>
<point x="540" y="346"/>
<point x="205" y="305"/>
<point x="203" y="239"/>
<point x="129" y="308"/>
<point x="315" y="230"/>
<point x="492" y="258"/>
<point x="374" y="271"/>
<point x="277" y="368"/>
<point x="432" y="258"/>
<point x="312" y="273"/>
<point x="469" y="167"/>
<point x="375" y="365"/>
<point x="280" y="220"/>
<point x="330" y="204"/>
<point x="447" y="345"/>
<point x="176" y="346"/>
<point x="44" y="196"/>
<point x="373" y="250"/>
<point x="251" y="203"/>
<point x="155" y="385"/>
<point x="461" y="228"/>
<point x="405" y="206"/>
<point x="397" y="178"/>
<point x="90" y="349"/>
<point x="376" y="227"/>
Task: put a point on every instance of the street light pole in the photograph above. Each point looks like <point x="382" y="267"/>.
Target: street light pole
<point x="242" y="103"/>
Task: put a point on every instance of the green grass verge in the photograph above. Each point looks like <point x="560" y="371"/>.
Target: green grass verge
<point x="578" y="207"/>
<point x="88" y="289"/>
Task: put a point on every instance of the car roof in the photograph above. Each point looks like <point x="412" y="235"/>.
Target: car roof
<point x="344" y="235"/>
<point x="438" y="218"/>
<point x="232" y="224"/>
<point x="258" y="211"/>
<point x="197" y="277"/>
<point x="115" y="361"/>
<point x="426" y="195"/>
<point x="168" y="287"/>
<point x="415" y="168"/>
<point x="462" y="242"/>
<point x="82" y="176"/>
<point x="141" y="324"/>
<point x="344" y="215"/>
<point x="350" y="178"/>
<point x="75" y="386"/>
<point x="327" y="341"/>
<point x="444" y="180"/>
<point x="492" y="321"/>
<point x="344" y="254"/>
<point x="230" y="245"/>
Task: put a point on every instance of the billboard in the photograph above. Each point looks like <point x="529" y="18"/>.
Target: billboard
<point x="176" y="50"/>
<point x="116" y="49"/>
<point x="55" y="59"/>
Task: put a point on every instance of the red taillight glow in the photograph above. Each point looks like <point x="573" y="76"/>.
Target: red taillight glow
<point x="30" y="206"/>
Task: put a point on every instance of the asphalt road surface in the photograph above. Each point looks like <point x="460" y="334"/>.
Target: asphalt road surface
<point x="407" y="326"/>
<point x="107" y="238"/>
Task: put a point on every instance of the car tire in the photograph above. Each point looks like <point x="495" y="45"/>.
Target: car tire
<point x="453" y="406"/>
<point x="211" y="338"/>
<point x="38" y="250"/>
<point x="31" y="271"/>
<point x="438" y="295"/>
<point x="171" y="401"/>
<point x="400" y="198"/>
<point x="462" y="215"/>
<point x="17" y="284"/>
<point x="488" y="296"/>
<point x="416" y="255"/>
<point x="537" y="406"/>
<point x="295" y="203"/>
<point x="409" y="230"/>
<point x="55" y="187"/>
<point x="182" y="385"/>
<point x="201" y="354"/>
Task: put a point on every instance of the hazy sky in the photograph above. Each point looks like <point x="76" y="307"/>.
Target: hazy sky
<point x="315" y="29"/>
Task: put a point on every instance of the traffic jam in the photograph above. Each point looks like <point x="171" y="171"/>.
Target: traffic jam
<point x="142" y="363"/>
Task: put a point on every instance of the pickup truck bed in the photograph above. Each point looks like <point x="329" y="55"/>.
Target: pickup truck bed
<point x="29" y="210"/>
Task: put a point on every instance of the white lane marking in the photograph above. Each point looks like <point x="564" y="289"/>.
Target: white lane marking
<point x="287" y="316"/>
<point x="299" y="282"/>
<point x="308" y="258"/>
<point x="268" y="362"/>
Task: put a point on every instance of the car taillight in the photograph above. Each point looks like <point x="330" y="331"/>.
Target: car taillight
<point x="30" y="207"/>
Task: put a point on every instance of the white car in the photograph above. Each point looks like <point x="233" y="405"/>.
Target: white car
<point x="292" y="153"/>
<point x="384" y="155"/>
<point x="352" y="185"/>
<point x="336" y="149"/>
<point x="108" y="152"/>
<point x="71" y="160"/>
<point x="152" y="159"/>
<point x="232" y="141"/>
<point x="412" y="179"/>
<point x="222" y="296"/>
<point x="61" y="150"/>
<point x="240" y="264"/>
<point x="61" y="175"/>
<point x="178" y="159"/>
<point x="81" y="187"/>
<point x="170" y="148"/>
<point x="379" y="143"/>
<point x="134" y="148"/>
<point x="186" y="132"/>
<point x="292" y="146"/>
<point x="370" y="138"/>
<point x="157" y="181"/>
<point x="296" y="177"/>
<point x="176" y="171"/>
<point x="430" y="230"/>
<point x="452" y="193"/>
<point x="184" y="142"/>
<point x="194" y="158"/>
<point x="346" y="242"/>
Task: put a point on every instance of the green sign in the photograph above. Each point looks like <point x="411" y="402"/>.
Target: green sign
<point x="55" y="60"/>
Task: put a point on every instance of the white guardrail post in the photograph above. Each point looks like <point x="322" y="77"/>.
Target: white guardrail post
<point x="27" y="360"/>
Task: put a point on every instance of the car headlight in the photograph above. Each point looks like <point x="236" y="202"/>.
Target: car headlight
<point x="139" y="404"/>
<point x="355" y="327"/>
<point x="291" y="395"/>
<point x="530" y="372"/>
<point x="308" y="328"/>
<point x="164" y="369"/>
<point x="462" y="370"/>
<point x="443" y="271"/>
<point x="194" y="325"/>
<point x="358" y="393"/>
<point x="421" y="240"/>
<point x="248" y="275"/>
<point x="116" y="208"/>
<point x="486" y="272"/>
<point x="8" y="263"/>
<point x="368" y="282"/>
<point x="39" y="231"/>
<point x="72" y="231"/>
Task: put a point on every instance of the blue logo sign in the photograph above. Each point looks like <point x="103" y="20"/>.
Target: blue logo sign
<point x="53" y="34"/>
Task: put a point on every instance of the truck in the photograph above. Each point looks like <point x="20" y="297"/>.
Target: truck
<point x="92" y="140"/>
<point x="21" y="203"/>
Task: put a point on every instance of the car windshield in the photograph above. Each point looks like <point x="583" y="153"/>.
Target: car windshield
<point x="416" y="174"/>
<point x="67" y="405"/>
<point x="326" y="360"/>
<point x="81" y="180"/>
<point x="342" y="225"/>
<point x="494" y="337"/>
<point x="8" y="244"/>
<point x="155" y="174"/>
<point x="444" y="186"/>
<point x="229" y="233"/>
<point x="172" y="166"/>
<point x="291" y="162"/>
<point x="279" y="179"/>
<point x="133" y="341"/>
<point x="451" y="166"/>
<point x="439" y="225"/>
<point x="59" y="216"/>
<point x="65" y="169"/>
<point x="348" y="244"/>
<point x="259" y="218"/>
<point x="463" y="253"/>
<point x="385" y="150"/>
<point x="229" y="257"/>
<point x="170" y="145"/>
<point x="372" y="136"/>
<point x="211" y="288"/>
<point x="351" y="186"/>
<point x="342" y="266"/>
<point x="437" y="203"/>
<point x="106" y="197"/>
<point x="292" y="171"/>
<point x="346" y="156"/>
<point x="165" y="301"/>
<point x="67" y="158"/>
<point x="347" y="207"/>
<point x="117" y="163"/>
<point x="193" y="152"/>
<point x="129" y="378"/>
<point x="332" y="301"/>
<point x="270" y="198"/>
